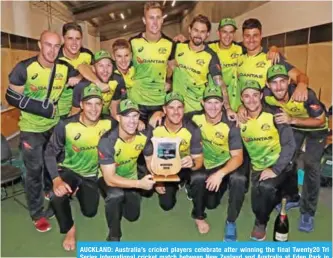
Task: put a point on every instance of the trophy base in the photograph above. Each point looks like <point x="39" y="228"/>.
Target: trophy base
<point x="171" y="178"/>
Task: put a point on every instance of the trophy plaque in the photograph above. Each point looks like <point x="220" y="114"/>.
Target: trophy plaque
<point x="166" y="161"/>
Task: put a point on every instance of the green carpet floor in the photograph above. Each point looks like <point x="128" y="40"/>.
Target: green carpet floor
<point x="19" y="238"/>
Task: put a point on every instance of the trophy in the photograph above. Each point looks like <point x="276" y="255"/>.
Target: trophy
<point x="166" y="161"/>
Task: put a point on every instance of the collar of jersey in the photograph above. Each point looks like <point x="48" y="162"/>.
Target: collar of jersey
<point x="61" y="53"/>
<point x="188" y="45"/>
<point x="151" y="42"/>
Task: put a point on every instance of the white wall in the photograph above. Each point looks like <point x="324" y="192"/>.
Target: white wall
<point x="281" y="16"/>
<point x="19" y="19"/>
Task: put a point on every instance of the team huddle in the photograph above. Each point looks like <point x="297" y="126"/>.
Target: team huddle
<point x="242" y="113"/>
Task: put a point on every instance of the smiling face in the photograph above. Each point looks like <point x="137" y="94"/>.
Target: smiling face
<point x="129" y="122"/>
<point x="103" y="69"/>
<point x="123" y="57"/>
<point x="226" y="35"/>
<point x="174" y="112"/>
<point x="279" y="87"/>
<point x="213" y="107"/>
<point x="73" y="41"/>
<point x="251" y="99"/>
<point x="198" y="33"/>
<point x="153" y="19"/>
<point x="49" y="45"/>
<point x="252" y="39"/>
<point x="92" y="109"/>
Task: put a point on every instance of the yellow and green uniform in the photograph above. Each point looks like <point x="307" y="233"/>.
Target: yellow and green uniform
<point x="190" y="76"/>
<point x="117" y="88"/>
<point x="114" y="150"/>
<point x="85" y="57"/>
<point x="150" y="61"/>
<point x="128" y="78"/>
<point x="75" y="146"/>
<point x="228" y="58"/>
<point x="189" y="134"/>
<point x="35" y="79"/>
<point x="312" y="107"/>
<point x="217" y="140"/>
<point x="255" y="67"/>
<point x="269" y="145"/>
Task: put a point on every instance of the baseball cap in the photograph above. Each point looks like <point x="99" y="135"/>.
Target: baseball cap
<point x="227" y="21"/>
<point x="276" y="71"/>
<point x="212" y="92"/>
<point x="173" y="96"/>
<point x="126" y="106"/>
<point x="99" y="55"/>
<point x="250" y="84"/>
<point x="91" y="91"/>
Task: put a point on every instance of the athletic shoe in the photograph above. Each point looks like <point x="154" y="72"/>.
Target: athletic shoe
<point x="42" y="225"/>
<point x="230" y="232"/>
<point x="306" y="223"/>
<point x="294" y="203"/>
<point x="259" y="232"/>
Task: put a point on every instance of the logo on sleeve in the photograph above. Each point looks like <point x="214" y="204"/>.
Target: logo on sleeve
<point x="101" y="155"/>
<point x="315" y="107"/>
<point x="180" y="54"/>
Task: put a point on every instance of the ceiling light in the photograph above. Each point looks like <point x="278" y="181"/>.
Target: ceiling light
<point x="125" y="26"/>
<point x="122" y="16"/>
<point x="113" y="17"/>
<point x="173" y="3"/>
<point x="95" y="20"/>
<point x="164" y="2"/>
<point x="164" y="16"/>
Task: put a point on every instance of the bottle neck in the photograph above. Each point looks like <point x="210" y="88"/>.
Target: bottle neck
<point x="283" y="207"/>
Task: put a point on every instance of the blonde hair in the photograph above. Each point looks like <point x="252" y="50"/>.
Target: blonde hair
<point x="120" y="44"/>
<point x="151" y="5"/>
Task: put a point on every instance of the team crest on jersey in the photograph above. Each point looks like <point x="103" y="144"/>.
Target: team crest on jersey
<point x="183" y="142"/>
<point x="295" y="109"/>
<point x="77" y="136"/>
<point x="265" y="127"/>
<point x="140" y="49"/>
<point x="261" y="64"/>
<point x="59" y="76"/>
<point x="162" y="50"/>
<point x="219" y="135"/>
<point x="234" y="55"/>
<point x="34" y="76"/>
<point x="139" y="147"/>
<point x="200" y="62"/>
<point x="180" y="54"/>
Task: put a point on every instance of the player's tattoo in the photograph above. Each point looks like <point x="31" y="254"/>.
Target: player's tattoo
<point x="219" y="82"/>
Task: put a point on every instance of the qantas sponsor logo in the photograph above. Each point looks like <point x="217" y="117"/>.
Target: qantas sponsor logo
<point x="251" y="75"/>
<point x="257" y="139"/>
<point x="151" y="61"/>
<point x="78" y="149"/>
<point x="189" y="68"/>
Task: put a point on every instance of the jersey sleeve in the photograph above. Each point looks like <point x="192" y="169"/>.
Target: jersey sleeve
<point x="71" y="71"/>
<point x="120" y="89"/>
<point x="284" y="62"/>
<point x="313" y="105"/>
<point x="148" y="149"/>
<point x="196" y="142"/>
<point x="288" y="147"/>
<point x="235" y="140"/>
<point x="18" y="75"/>
<point x="106" y="150"/>
<point x="77" y="93"/>
<point x="173" y="51"/>
<point x="54" y="147"/>
<point x="214" y="65"/>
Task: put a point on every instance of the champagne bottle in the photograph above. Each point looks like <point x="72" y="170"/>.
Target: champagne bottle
<point x="281" y="225"/>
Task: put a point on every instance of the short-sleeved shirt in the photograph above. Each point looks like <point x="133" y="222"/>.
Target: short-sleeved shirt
<point x="150" y="61"/>
<point x="85" y="57"/>
<point x="261" y="139"/>
<point x="129" y="80"/>
<point x="75" y="145"/>
<point x="189" y="134"/>
<point x="190" y="76"/>
<point x="218" y="140"/>
<point x="117" y="88"/>
<point x="36" y="79"/>
<point x="255" y="67"/>
<point x="114" y="150"/>
<point x="312" y="107"/>
<point x="228" y="58"/>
